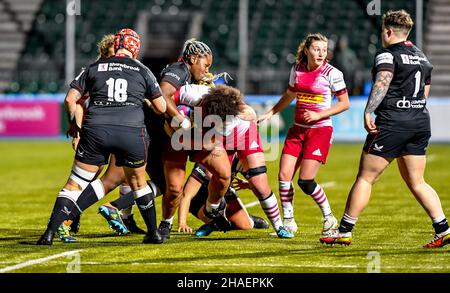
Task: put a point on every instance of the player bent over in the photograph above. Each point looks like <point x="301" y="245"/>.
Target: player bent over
<point x="238" y="132"/>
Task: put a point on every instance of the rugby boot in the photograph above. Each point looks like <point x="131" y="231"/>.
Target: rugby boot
<point x="131" y="225"/>
<point x="46" y="238"/>
<point x="336" y="237"/>
<point x="112" y="215"/>
<point x="439" y="240"/>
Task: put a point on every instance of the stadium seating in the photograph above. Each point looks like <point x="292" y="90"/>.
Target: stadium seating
<point x="275" y="30"/>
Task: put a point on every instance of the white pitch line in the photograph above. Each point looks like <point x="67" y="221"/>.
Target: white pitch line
<point x="37" y="261"/>
<point x="328" y="184"/>
<point x="324" y="185"/>
<point x="251" y="204"/>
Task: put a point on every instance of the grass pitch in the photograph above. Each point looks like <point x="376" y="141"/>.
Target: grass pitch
<point x="390" y="232"/>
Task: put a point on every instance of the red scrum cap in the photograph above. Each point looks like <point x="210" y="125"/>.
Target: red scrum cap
<point x="128" y="39"/>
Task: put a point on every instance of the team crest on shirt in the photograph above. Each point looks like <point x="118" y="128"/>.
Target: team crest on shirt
<point x="102" y="67"/>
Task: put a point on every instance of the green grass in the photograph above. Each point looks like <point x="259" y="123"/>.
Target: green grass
<point x="394" y="225"/>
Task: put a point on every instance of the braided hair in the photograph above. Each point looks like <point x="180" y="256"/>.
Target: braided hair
<point x="192" y="47"/>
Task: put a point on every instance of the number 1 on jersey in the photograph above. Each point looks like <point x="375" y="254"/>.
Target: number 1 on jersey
<point x="417" y="85"/>
<point x="117" y="89"/>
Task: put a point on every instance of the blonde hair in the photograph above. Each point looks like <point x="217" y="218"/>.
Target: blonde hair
<point x="103" y="46"/>
<point x="210" y="78"/>
<point x="398" y="20"/>
<point x="306" y="43"/>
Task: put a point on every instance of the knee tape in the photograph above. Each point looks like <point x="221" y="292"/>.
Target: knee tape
<point x="124" y="189"/>
<point x="71" y="195"/>
<point x="81" y="177"/>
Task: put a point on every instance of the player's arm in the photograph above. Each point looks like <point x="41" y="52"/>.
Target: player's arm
<point x="247" y="113"/>
<point x="79" y="114"/>
<point x="70" y="104"/>
<point x="76" y="91"/>
<point x="342" y="105"/>
<point x="284" y="101"/>
<point x="191" y="94"/>
<point x="169" y="91"/>
<point x="379" y="89"/>
<point x="190" y="190"/>
<point x="159" y="104"/>
<point x="427" y="90"/>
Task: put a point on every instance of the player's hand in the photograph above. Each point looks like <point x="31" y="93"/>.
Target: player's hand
<point x="266" y="116"/>
<point x="184" y="228"/>
<point x="73" y="130"/>
<point x="75" y="142"/>
<point x="311" y="116"/>
<point x="181" y="122"/>
<point x="369" y="124"/>
<point x="239" y="184"/>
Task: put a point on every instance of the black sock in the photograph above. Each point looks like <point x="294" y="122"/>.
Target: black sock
<point x="345" y="226"/>
<point x="87" y="198"/>
<point x="123" y="202"/>
<point x="62" y="209"/>
<point x="146" y="205"/>
<point x="440" y="227"/>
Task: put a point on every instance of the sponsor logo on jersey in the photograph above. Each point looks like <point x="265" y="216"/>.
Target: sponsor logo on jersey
<point x="412" y="59"/>
<point x="403" y="104"/>
<point x="173" y="75"/>
<point x="384" y="58"/>
<point x="137" y="162"/>
<point x="338" y="79"/>
<point x="309" y="98"/>
<point x="407" y="104"/>
<point x="102" y="67"/>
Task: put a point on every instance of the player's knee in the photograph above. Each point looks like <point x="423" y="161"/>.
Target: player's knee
<point x="367" y="178"/>
<point x="415" y="185"/>
<point x="72" y="195"/>
<point x="174" y="190"/>
<point x="308" y="186"/>
<point x="223" y="175"/>
<point x="81" y="176"/>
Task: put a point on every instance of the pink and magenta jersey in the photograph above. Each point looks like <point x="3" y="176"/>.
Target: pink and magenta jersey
<point x="314" y="90"/>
